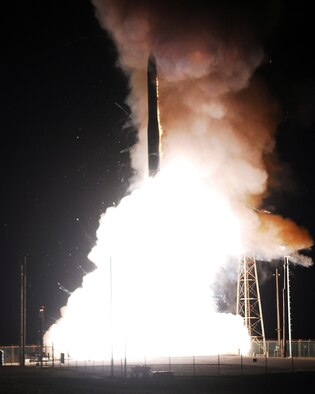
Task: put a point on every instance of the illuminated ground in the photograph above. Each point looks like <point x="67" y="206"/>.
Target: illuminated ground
<point x="31" y="380"/>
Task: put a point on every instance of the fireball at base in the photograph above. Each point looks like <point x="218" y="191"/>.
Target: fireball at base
<point x="160" y="252"/>
<point x="157" y="255"/>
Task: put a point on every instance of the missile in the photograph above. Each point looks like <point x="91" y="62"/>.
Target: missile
<point x="153" y="119"/>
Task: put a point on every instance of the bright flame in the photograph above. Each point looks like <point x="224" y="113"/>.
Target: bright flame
<point x="160" y="251"/>
<point x="157" y="256"/>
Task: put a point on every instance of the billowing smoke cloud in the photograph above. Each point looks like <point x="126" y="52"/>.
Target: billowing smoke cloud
<point x="214" y="110"/>
<point x="175" y="239"/>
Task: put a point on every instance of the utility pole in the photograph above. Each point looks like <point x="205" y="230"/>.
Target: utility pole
<point x="278" y="310"/>
<point x="125" y="361"/>
<point x="23" y="313"/>
<point x="284" y="345"/>
<point x="41" y="333"/>
<point x="289" y="306"/>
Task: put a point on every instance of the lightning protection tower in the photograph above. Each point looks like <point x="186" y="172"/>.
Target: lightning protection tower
<point x="248" y="302"/>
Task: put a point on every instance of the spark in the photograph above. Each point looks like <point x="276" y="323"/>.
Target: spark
<point x="61" y="287"/>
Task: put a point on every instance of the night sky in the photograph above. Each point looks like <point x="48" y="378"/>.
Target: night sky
<point x="64" y="159"/>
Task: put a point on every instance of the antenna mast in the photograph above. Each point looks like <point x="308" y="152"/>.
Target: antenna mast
<point x="23" y="313"/>
<point x="248" y="301"/>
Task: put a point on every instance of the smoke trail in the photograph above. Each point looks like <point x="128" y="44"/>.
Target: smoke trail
<point x="214" y="110"/>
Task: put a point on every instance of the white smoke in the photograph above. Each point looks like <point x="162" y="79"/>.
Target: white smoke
<point x="167" y="241"/>
<point x="214" y="110"/>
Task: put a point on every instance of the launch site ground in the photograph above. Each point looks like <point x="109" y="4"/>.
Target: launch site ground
<point x="251" y="379"/>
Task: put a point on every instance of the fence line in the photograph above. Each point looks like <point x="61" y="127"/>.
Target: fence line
<point x="303" y="352"/>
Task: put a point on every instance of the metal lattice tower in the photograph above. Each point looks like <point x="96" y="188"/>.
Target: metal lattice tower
<point x="248" y="301"/>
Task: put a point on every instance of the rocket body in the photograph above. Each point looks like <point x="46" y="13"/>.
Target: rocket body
<point x="153" y="120"/>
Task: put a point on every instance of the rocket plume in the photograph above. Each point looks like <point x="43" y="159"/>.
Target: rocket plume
<point x="169" y="238"/>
